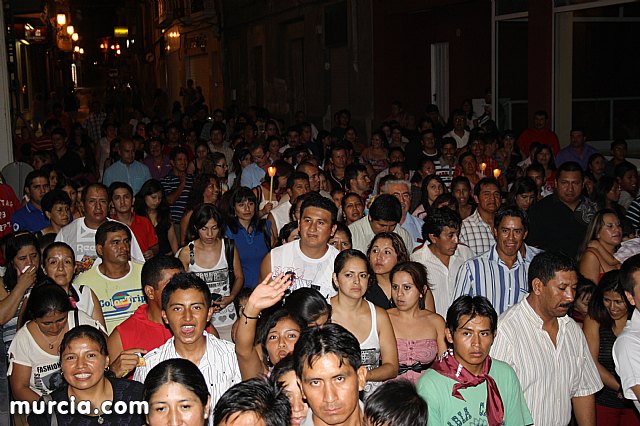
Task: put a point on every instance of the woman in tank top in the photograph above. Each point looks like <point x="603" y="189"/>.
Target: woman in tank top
<point x="369" y="323"/>
<point x="419" y="332"/>
<point x="206" y="255"/>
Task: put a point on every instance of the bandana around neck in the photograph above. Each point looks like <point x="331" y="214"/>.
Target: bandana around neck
<point x="449" y="367"/>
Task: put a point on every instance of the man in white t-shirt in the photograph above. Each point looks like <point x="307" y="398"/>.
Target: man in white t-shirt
<point x="310" y="258"/>
<point x="80" y="234"/>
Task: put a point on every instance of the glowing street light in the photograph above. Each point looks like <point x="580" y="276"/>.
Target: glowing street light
<point x="75" y="36"/>
<point x="61" y="19"/>
<point x="70" y="29"/>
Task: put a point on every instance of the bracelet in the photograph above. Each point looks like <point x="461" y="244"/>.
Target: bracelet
<point x="247" y="317"/>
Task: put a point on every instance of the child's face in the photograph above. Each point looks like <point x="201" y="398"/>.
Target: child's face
<point x="629" y="182"/>
<point x="581" y="304"/>
<point x="337" y="198"/>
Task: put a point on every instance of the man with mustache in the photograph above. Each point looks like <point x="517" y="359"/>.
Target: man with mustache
<point x="477" y="230"/>
<point x="547" y="349"/>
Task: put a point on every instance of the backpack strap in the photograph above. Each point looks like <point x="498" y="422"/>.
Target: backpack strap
<point x="229" y="248"/>
<point x="54" y="419"/>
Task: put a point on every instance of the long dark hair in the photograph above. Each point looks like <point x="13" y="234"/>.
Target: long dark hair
<point x="597" y="311"/>
<point x="12" y="246"/>
<point x="200" y="184"/>
<point x="46" y="297"/>
<point x="150" y="187"/>
<point x="199" y="218"/>
<point x="239" y="195"/>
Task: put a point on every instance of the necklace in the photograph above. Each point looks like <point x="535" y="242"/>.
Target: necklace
<point x="49" y="341"/>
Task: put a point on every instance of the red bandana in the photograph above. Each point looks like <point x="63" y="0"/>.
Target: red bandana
<point x="449" y="367"/>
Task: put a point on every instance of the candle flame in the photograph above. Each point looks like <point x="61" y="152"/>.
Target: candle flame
<point x="496" y="173"/>
<point x="483" y="166"/>
<point x="272" y="171"/>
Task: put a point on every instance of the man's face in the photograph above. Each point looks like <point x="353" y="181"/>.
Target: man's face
<point x="305" y="135"/>
<point x="314" y="177"/>
<point x="122" y="201"/>
<point x="96" y="205"/>
<point x="447" y="242"/>
<point x="362" y="183"/>
<point x="471" y="341"/>
<point x="380" y="225"/>
<point x="260" y="157"/>
<point x="57" y="141"/>
<point x="629" y="182"/>
<point x="398" y="173"/>
<point x="569" y="187"/>
<point x="38" y="188"/>
<point x="556" y="297"/>
<point x="331" y="387"/>
<point x="403" y="193"/>
<point x="300" y="187"/>
<point x="577" y="139"/>
<point x="428" y="141"/>
<point x="489" y="199"/>
<point x="173" y="135"/>
<point x="216" y="137"/>
<point x="155" y="148"/>
<point x="537" y="177"/>
<point x="396" y="156"/>
<point x="315" y="227"/>
<point x="339" y="158"/>
<point x="155" y="294"/>
<point x="619" y="152"/>
<point x="116" y="249"/>
<point x="293" y="138"/>
<point x="127" y="152"/>
<point x="459" y="121"/>
<point x="180" y="163"/>
<point x="510" y="236"/>
<point x="187" y="315"/>
<point x="539" y="121"/>
<point x="449" y="153"/>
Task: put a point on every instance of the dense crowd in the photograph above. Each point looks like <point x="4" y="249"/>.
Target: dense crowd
<point x="227" y="269"/>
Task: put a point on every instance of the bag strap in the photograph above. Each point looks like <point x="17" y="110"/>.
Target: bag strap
<point x="54" y="419"/>
<point x="229" y="249"/>
<point x="76" y="317"/>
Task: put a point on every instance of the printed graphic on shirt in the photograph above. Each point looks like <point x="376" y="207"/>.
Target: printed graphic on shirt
<point x="47" y="378"/>
<point x="218" y="283"/>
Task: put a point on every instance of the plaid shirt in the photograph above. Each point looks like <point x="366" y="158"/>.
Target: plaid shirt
<point x="476" y="233"/>
<point x="93" y="124"/>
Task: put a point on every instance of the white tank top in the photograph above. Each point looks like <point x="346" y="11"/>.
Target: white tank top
<point x="370" y="350"/>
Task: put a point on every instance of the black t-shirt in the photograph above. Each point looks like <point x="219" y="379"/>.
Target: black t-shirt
<point x="123" y="390"/>
<point x="70" y="164"/>
<point x="376" y="296"/>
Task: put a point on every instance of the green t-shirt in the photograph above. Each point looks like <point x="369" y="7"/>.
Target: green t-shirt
<point x="445" y="409"/>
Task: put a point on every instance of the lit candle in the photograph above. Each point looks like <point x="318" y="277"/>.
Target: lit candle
<point x="496" y="173"/>
<point x="483" y="167"/>
<point x="272" y="172"/>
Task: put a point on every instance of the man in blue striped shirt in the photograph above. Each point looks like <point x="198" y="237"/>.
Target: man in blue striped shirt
<point x="499" y="274"/>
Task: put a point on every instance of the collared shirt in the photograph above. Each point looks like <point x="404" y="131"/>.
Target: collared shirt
<point x="413" y="225"/>
<point x="461" y="141"/>
<point x="362" y="234"/>
<point x="625" y="355"/>
<point x="487" y="275"/>
<point x="158" y="172"/>
<point x="135" y="174"/>
<point x="252" y="176"/>
<point x="442" y="279"/>
<point x="170" y="183"/>
<point x="570" y="154"/>
<point x="218" y="365"/>
<point x="476" y="233"/>
<point x="29" y="218"/>
<point x="550" y="374"/>
<point x="93" y="124"/>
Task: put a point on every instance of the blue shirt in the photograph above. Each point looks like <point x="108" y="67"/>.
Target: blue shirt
<point x="252" y="176"/>
<point x="135" y="174"/>
<point x="252" y="248"/>
<point x="29" y="218"/>
<point x="569" y="154"/>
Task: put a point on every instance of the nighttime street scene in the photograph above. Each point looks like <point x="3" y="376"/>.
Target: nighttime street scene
<point x="320" y="212"/>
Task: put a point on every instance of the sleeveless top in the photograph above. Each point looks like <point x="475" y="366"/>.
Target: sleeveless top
<point x="608" y="397"/>
<point x="593" y="252"/>
<point x="370" y="350"/>
<point x="416" y="355"/>
<point x="217" y="279"/>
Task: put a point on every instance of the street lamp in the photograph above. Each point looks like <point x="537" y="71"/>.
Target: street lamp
<point x="61" y="19"/>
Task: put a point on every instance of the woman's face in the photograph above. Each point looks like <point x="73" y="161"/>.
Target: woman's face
<point x="60" y="214"/>
<point x="295" y="235"/>
<point x="173" y="404"/>
<point x="376" y="141"/>
<point x="212" y="192"/>
<point x="341" y="241"/>
<point x="83" y="364"/>
<point x="508" y="143"/>
<point x="245" y="209"/>
<point x="476" y="148"/>
<point x="271" y="129"/>
<point x="589" y="185"/>
<point x="434" y="190"/>
<point x="353" y="209"/>
<point x="383" y="256"/>
<point x="53" y="179"/>
<point x="611" y="232"/>
<point x="60" y="266"/>
<point x="469" y="165"/>
<point x="615" y="305"/>
<point x="27" y="256"/>
<point x="299" y="408"/>
<point x="209" y="232"/>
<point x="404" y="292"/>
<point x="428" y="168"/>
<point x="581" y="304"/>
<point x="245" y="161"/>
<point x="274" y="145"/>
<point x="153" y="201"/>
<point x="353" y="280"/>
<point x="201" y="152"/>
<point x="52" y="323"/>
<point x="71" y="192"/>
<point x="597" y="166"/>
<point x="461" y="192"/>
<point x="324" y="185"/>
<point x="614" y="193"/>
<point x="281" y="339"/>
<point x="221" y="168"/>
<point x="525" y="200"/>
<point x="543" y="157"/>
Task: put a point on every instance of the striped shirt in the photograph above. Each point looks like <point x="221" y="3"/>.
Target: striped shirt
<point x="633" y="214"/>
<point x="550" y="374"/>
<point x="170" y="183"/>
<point x="476" y="233"/>
<point x="445" y="171"/>
<point x="487" y="275"/>
<point x="218" y="365"/>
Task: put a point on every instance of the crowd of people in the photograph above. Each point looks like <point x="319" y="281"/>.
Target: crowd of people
<point x="228" y="270"/>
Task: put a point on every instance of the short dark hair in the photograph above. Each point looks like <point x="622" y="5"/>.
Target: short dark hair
<point x="569" y="166"/>
<point x="351" y="173"/>
<point x="177" y="150"/>
<point x="448" y="141"/>
<point x="542" y="113"/>
<point x="511" y="211"/>
<point x="60" y="132"/>
<point x="484" y="182"/>
<point x="96" y="185"/>
<point x="185" y="281"/>
<point x="545" y="265"/>
<point x="623" y="168"/>
<point x="176" y="370"/>
<point x="437" y="220"/>
<point x="119" y="185"/>
<point x="308" y="304"/>
<point x="80" y="331"/>
<point x="473" y="307"/>
<point x="152" y="269"/>
<point x="323" y="203"/>
<point x="294" y="176"/>
<point x="53" y="197"/>
<point x="618" y="141"/>
<point x="266" y="400"/>
<point x="34" y="174"/>
<point x="219" y="127"/>
<point x="108" y="227"/>
<point x="386" y="207"/>
<point x="628" y="268"/>
<point x="316" y="342"/>
<point x="395" y="403"/>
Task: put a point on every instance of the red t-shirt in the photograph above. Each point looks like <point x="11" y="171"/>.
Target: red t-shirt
<point x="544" y="136"/>
<point x="138" y="331"/>
<point x="9" y="204"/>
<point x="144" y="231"/>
